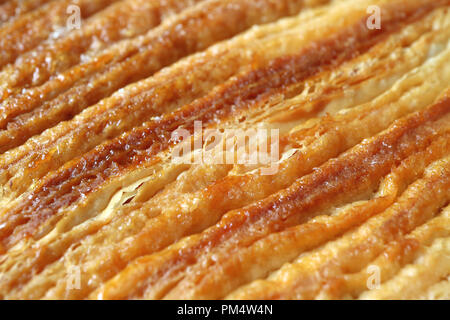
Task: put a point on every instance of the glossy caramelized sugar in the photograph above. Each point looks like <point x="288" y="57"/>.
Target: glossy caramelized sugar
<point x="86" y="123"/>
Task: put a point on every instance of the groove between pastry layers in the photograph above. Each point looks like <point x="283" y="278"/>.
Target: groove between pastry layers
<point x="365" y="171"/>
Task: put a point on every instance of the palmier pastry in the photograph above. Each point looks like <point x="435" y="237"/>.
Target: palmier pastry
<point x="97" y="95"/>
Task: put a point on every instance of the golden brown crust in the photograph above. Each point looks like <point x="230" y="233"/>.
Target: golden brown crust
<point x="364" y="120"/>
<point x="30" y="29"/>
<point x="87" y="83"/>
<point x="15" y="8"/>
